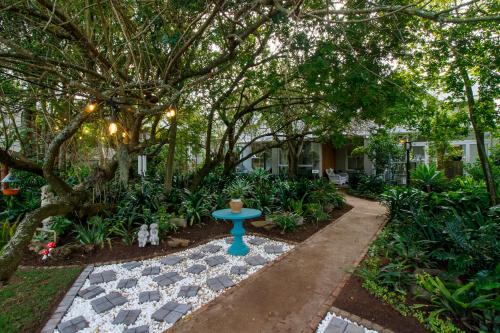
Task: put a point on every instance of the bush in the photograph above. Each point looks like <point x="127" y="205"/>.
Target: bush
<point x="428" y="178"/>
<point x="286" y="221"/>
<point x="95" y="232"/>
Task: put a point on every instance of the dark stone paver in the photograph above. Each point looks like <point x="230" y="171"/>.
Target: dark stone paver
<point x="211" y="248"/>
<point x="353" y="328"/>
<point x="127" y="317"/>
<point x="336" y="325"/>
<point x="171" y="260"/>
<point x="108" y="302"/>
<point x="256" y="241"/>
<point x="138" y="329"/>
<point x="149" y="296"/>
<point x="167" y="278"/>
<point x="196" y="269"/>
<point x="239" y="270"/>
<point x="153" y="270"/>
<point x="171" y="312"/>
<point x="105" y="276"/>
<point x="256" y="260"/>
<point x="126" y="283"/>
<point x="220" y="282"/>
<point x="73" y="325"/>
<point x="188" y="291"/>
<point x="273" y="249"/>
<point x="90" y="292"/>
<point x="196" y="255"/>
<point x="131" y="265"/>
<point x="215" y="261"/>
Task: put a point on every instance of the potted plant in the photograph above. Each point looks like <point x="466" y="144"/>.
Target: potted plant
<point x="236" y="191"/>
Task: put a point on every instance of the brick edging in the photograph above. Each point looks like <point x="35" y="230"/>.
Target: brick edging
<point x="66" y="302"/>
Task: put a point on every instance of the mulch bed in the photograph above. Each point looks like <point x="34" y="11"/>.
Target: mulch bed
<point x="355" y="299"/>
<point x="197" y="234"/>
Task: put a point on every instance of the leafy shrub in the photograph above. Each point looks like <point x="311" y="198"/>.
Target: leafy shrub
<point x="195" y="206"/>
<point x="367" y="186"/>
<point x="126" y="229"/>
<point x="286" y="221"/>
<point x="7" y="230"/>
<point x="428" y="178"/>
<point x="60" y="224"/>
<point x="95" y="232"/>
<point x="316" y="212"/>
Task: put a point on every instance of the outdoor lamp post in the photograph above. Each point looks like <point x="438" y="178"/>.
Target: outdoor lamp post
<point x="407" y="145"/>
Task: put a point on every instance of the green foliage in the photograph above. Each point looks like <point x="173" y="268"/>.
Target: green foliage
<point x="455" y="232"/>
<point x="195" y="206"/>
<point x="316" y="212"/>
<point x="60" y="225"/>
<point x="428" y="178"/>
<point x="97" y="231"/>
<point x="7" y="230"/>
<point x="238" y="189"/>
<point x="367" y="186"/>
<point x="286" y="221"/>
<point x="126" y="229"/>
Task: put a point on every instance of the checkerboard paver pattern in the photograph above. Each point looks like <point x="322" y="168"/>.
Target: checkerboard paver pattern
<point x="215" y="261"/>
<point x="171" y="312"/>
<point x="188" y="291"/>
<point x="138" y="329"/>
<point x="256" y="260"/>
<point x="126" y="283"/>
<point x="211" y="248"/>
<point x="171" y="260"/>
<point x="256" y="241"/>
<point x="73" y="325"/>
<point x="239" y="270"/>
<point x="196" y="269"/>
<point x="196" y="255"/>
<point x="90" y="292"/>
<point x="149" y="296"/>
<point x="273" y="249"/>
<point x="220" y="282"/>
<point x="152" y="270"/>
<point x="127" y="317"/>
<point x="167" y="279"/>
<point x="131" y="265"/>
<point x="105" y="276"/>
<point x="108" y="302"/>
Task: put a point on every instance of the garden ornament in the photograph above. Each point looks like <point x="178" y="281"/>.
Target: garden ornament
<point x="153" y="234"/>
<point x="142" y="235"/>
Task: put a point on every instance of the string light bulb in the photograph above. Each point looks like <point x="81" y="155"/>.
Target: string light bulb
<point x="91" y="107"/>
<point x="170" y="112"/>
<point x="113" y="128"/>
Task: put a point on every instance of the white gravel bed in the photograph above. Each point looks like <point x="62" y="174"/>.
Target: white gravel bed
<point x="103" y="322"/>
<point x="330" y="315"/>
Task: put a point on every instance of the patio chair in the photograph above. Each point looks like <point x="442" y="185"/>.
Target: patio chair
<point x="337" y="178"/>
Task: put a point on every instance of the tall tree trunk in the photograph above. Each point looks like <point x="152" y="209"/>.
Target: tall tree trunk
<point x="12" y="253"/>
<point x="479" y="134"/>
<point x="294" y="150"/>
<point x="169" y="166"/>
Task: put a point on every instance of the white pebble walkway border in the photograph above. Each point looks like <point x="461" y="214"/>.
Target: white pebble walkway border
<point x="103" y="322"/>
<point x="328" y="318"/>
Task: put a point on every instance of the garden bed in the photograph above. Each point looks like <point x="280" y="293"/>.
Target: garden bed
<point x="197" y="234"/>
<point x="357" y="300"/>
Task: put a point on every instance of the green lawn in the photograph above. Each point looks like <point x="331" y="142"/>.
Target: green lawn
<point x="26" y="302"/>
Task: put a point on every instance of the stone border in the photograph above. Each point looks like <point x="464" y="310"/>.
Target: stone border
<point x="66" y="302"/>
<point x="360" y="321"/>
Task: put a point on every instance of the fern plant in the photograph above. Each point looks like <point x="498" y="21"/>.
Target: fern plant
<point x="428" y="178"/>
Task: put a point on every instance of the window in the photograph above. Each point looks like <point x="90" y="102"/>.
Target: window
<point x="263" y="159"/>
<point x="355" y="162"/>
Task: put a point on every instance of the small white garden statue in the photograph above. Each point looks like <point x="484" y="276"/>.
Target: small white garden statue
<point x="153" y="234"/>
<point x="142" y="235"/>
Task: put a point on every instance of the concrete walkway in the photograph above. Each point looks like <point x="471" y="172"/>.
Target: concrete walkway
<point x="294" y="293"/>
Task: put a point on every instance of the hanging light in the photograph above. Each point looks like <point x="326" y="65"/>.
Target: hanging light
<point x="91" y="107"/>
<point x="113" y="128"/>
<point x="170" y="112"/>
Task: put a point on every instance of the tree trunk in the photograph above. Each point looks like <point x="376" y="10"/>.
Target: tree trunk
<point x="12" y="253"/>
<point x="479" y="134"/>
<point x="169" y="166"/>
<point x="123" y="164"/>
<point x="294" y="150"/>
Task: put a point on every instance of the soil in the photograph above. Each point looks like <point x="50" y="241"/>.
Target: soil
<point x="197" y="234"/>
<point x="355" y="299"/>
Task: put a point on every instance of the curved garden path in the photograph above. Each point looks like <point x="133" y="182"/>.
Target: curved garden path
<point x="293" y="294"/>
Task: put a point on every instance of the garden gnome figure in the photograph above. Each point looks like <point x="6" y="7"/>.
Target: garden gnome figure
<point x="153" y="234"/>
<point x="142" y="235"/>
